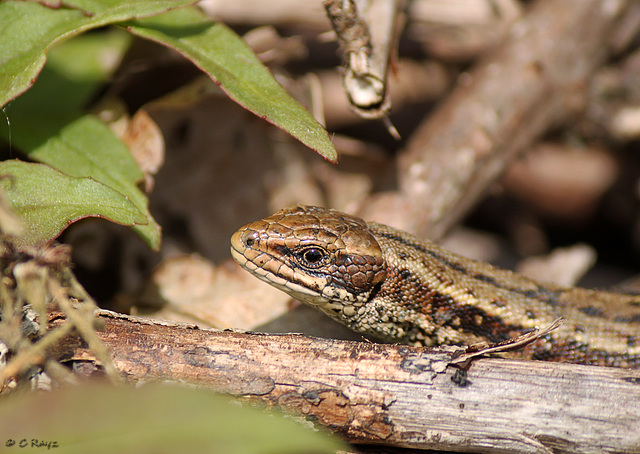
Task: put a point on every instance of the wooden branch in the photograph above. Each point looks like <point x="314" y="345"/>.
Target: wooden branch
<point x="538" y="78"/>
<point x="388" y="394"/>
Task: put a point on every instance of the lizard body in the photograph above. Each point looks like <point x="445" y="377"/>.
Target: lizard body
<point x="387" y="283"/>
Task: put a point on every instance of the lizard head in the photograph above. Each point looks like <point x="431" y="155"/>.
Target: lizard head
<point x="319" y="256"/>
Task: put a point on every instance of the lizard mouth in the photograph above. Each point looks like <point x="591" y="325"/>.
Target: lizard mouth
<point x="298" y="291"/>
<point x="294" y="289"/>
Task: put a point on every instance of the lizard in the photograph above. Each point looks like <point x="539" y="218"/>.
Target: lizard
<point x="389" y="284"/>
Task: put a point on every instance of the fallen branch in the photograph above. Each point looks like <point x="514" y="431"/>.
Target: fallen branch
<point x="388" y="394"/>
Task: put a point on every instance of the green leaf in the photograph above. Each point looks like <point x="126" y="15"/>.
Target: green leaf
<point x="75" y="70"/>
<point x="47" y="201"/>
<point x="47" y="123"/>
<point x="29" y="29"/>
<point x="88" y="148"/>
<point x="119" y="10"/>
<point x="223" y="55"/>
<point x="151" y="419"/>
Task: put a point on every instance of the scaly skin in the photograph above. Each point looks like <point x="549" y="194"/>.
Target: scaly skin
<point x="384" y="282"/>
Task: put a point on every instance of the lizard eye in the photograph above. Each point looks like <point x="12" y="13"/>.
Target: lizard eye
<point x="313" y="256"/>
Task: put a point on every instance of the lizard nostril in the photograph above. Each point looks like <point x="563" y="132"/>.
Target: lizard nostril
<point x="248" y="238"/>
